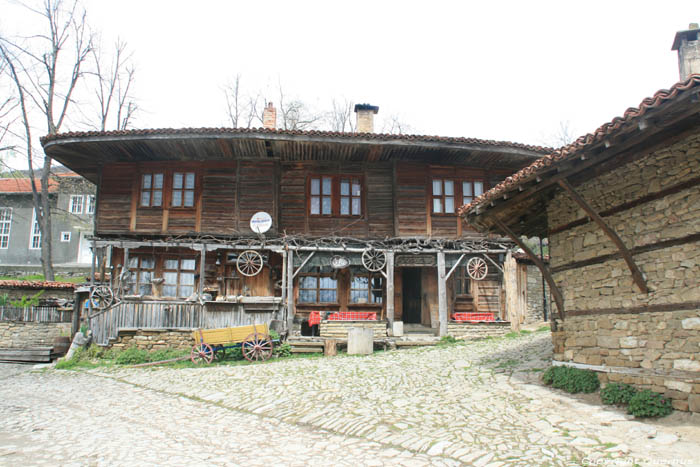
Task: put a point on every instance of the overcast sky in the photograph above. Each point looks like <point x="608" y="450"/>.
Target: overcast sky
<point x="499" y="70"/>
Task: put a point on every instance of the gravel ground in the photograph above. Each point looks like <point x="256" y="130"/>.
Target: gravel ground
<point x="475" y="404"/>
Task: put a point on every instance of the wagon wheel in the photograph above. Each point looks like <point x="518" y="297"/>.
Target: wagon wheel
<point x="373" y="260"/>
<point x="477" y="268"/>
<point x="202" y="353"/>
<point x="101" y="297"/>
<point x="249" y="263"/>
<point x="257" y="347"/>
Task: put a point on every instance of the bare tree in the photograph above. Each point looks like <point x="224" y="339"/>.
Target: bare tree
<point x="296" y="114"/>
<point x="45" y="68"/>
<point x="562" y="136"/>
<point x="340" y="118"/>
<point x="242" y="109"/>
<point x="394" y="125"/>
<point x="114" y="87"/>
<point x="7" y="107"/>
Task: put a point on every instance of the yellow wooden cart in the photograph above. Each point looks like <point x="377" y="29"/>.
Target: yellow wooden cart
<point x="254" y="341"/>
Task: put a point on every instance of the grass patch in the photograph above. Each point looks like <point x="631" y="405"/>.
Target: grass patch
<point x="543" y="329"/>
<point x="508" y="363"/>
<point x="40" y="277"/>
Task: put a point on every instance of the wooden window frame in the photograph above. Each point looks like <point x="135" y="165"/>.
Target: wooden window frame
<point x="152" y="189"/>
<point x="471" y="181"/>
<point x="368" y="290"/>
<point x="76" y="208"/>
<point x="183" y="189"/>
<point x="5" y="227"/>
<point x="461" y="276"/>
<point x="352" y="181"/>
<point x="34" y="233"/>
<point x="335" y="195"/>
<point x="179" y="271"/>
<point x="318" y="289"/>
<point x="458" y="193"/>
<point x="135" y="273"/>
<point x="90" y="202"/>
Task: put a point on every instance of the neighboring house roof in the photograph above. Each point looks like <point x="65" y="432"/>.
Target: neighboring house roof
<point x="24" y="185"/>
<point x="10" y="284"/>
<point x="633" y="117"/>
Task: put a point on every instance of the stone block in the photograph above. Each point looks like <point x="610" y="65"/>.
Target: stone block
<point x="360" y="341"/>
<point x="609" y="342"/>
<point x="691" y="323"/>
<point x="686" y="365"/>
<point x="694" y="402"/>
<point x="629" y="342"/>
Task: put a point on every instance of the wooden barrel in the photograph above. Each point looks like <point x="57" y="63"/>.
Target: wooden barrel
<point x="61" y="345"/>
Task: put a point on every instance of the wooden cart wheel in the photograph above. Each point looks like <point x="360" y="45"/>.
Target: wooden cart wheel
<point x="102" y="297"/>
<point x="373" y="260"/>
<point x="477" y="268"/>
<point x="257" y="347"/>
<point x="202" y="353"/>
<point x="249" y="263"/>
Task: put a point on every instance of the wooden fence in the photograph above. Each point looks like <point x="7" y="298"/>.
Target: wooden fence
<point x="158" y="315"/>
<point x="36" y="314"/>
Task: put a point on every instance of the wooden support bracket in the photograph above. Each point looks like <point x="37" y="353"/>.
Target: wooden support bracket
<point x="306" y="260"/>
<point x="455" y="266"/>
<point x="637" y="275"/>
<point x="558" y="297"/>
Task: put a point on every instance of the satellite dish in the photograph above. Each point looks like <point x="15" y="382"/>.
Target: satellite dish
<point x="260" y="222"/>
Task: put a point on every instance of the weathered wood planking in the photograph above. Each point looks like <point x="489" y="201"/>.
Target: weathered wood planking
<point x="37" y="314"/>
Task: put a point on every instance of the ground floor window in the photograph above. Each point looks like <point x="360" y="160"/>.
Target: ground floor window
<point x="366" y="289"/>
<point x="178" y="277"/>
<point x="318" y="286"/>
<point x="462" y="281"/>
<point x="142" y="269"/>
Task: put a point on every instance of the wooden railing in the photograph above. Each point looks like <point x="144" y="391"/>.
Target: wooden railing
<point x="36" y="314"/>
<point x="160" y="315"/>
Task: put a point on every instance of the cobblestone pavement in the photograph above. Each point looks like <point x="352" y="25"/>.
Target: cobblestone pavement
<point x="475" y="404"/>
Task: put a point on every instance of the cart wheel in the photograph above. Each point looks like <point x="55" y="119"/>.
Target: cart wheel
<point x="257" y="347"/>
<point x="202" y="353"/>
<point x="102" y="297"/>
<point x="220" y="354"/>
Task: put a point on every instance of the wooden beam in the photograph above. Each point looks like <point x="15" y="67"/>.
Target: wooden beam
<point x="442" y="293"/>
<point x="637" y="275"/>
<point x="202" y="263"/>
<point x="290" y="290"/>
<point x="390" y="287"/>
<point x="558" y="298"/>
<point x="455" y="266"/>
<point x="303" y="263"/>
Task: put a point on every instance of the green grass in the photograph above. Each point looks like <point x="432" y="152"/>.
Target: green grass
<point x="543" y="329"/>
<point x="40" y="277"/>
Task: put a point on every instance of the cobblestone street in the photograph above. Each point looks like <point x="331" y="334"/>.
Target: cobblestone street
<point x="474" y="404"/>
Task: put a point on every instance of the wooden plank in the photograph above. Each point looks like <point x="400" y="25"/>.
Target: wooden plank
<point x="390" y="287"/>
<point x="637" y="275"/>
<point x="442" y="294"/>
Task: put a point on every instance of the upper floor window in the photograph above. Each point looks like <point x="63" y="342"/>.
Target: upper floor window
<point x="335" y="195"/>
<point x="183" y="189"/>
<point x="35" y="234"/>
<point x="446" y="194"/>
<point x="152" y="190"/>
<point x="5" y="224"/>
<point x="90" y="204"/>
<point x="76" y="204"/>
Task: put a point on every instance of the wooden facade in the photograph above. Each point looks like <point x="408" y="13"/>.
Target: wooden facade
<point x="174" y="211"/>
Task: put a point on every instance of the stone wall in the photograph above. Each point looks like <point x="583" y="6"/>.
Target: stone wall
<point x="19" y="334"/>
<point x="154" y="339"/>
<point x="339" y="329"/>
<point x="535" y="307"/>
<point x="477" y="330"/>
<point x="651" y="340"/>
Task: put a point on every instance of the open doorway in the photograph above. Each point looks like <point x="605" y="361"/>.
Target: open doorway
<point x="412" y="295"/>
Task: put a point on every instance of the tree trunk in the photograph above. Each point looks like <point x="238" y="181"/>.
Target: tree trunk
<point x="44" y="219"/>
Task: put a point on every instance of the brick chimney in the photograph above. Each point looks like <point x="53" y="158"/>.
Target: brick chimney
<point x="270" y="116"/>
<point x="687" y="43"/>
<point x="365" y="117"/>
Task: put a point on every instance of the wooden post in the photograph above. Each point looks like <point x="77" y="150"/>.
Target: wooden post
<point x="92" y="279"/>
<point x="558" y="298"/>
<point x="442" y="293"/>
<point x="637" y="275"/>
<point x="284" y="289"/>
<point x="511" y="288"/>
<point x="330" y="348"/>
<point x="390" y="287"/>
<point x="290" y="290"/>
<point x="202" y="264"/>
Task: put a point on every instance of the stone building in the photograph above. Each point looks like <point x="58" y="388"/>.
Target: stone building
<point x="73" y="204"/>
<point x="621" y="208"/>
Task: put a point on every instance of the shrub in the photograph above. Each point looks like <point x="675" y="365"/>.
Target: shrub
<point x="283" y="350"/>
<point x="572" y="380"/>
<point x="165" y="354"/>
<point x="447" y="340"/>
<point x="132" y="356"/>
<point x="274" y="335"/>
<point x="235" y="353"/>
<point x="617" y="394"/>
<point x="28" y="301"/>
<point x="649" y="404"/>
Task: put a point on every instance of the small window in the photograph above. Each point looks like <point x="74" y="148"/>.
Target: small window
<point x="471" y="190"/>
<point x="65" y="236"/>
<point x="90" y="204"/>
<point x="321" y="196"/>
<point x="443" y="196"/>
<point x="35" y="235"/>
<point x="350" y="197"/>
<point x="366" y="289"/>
<point x="178" y="277"/>
<point x="462" y="281"/>
<point x="152" y="190"/>
<point x="318" y="287"/>
<point x="142" y="269"/>
<point x="76" y="204"/>
<point x="5" y="224"/>
<point x="183" y="190"/>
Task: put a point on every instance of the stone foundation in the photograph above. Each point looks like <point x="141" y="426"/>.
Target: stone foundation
<point x="20" y="334"/>
<point x="478" y="330"/>
<point x="339" y="329"/>
<point x="154" y="339"/>
<point x="663" y="349"/>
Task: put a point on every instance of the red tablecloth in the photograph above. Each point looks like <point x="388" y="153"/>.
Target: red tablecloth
<point x="473" y="317"/>
<point x="316" y="316"/>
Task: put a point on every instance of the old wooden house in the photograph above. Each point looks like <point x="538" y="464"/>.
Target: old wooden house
<point x="225" y="226"/>
<point x="621" y="208"/>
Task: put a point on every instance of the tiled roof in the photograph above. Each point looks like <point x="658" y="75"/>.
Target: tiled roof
<point x="24" y="185"/>
<point x="311" y="134"/>
<point x="581" y="144"/>
<point x="8" y="284"/>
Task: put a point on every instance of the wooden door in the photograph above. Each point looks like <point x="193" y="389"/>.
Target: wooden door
<point x="411" y="281"/>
